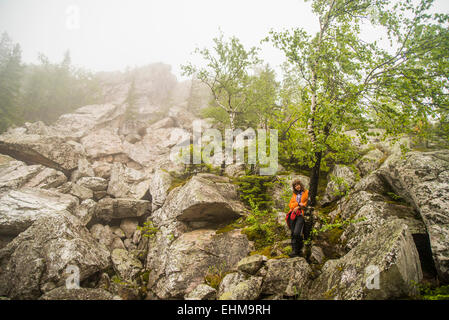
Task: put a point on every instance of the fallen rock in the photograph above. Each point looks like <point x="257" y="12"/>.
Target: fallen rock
<point x="102" y="234"/>
<point x="342" y="179"/>
<point x="126" y="266"/>
<point x="126" y="182"/>
<point x="81" y="192"/>
<point x="159" y="185"/>
<point x="370" y="161"/>
<point x="388" y="252"/>
<point x="102" y="142"/>
<point x="251" y="264"/>
<point x="93" y="183"/>
<point x="49" y="151"/>
<point x="84" y="169"/>
<point x="48" y="178"/>
<point x="229" y="282"/>
<point x="177" y="268"/>
<point x="205" y="200"/>
<point x="202" y="292"/>
<point x="108" y="208"/>
<point x="20" y="208"/>
<point x="45" y="252"/>
<point x="85" y="211"/>
<point x="246" y="290"/>
<point x="88" y="118"/>
<point x="317" y="255"/>
<point x="14" y="174"/>
<point x="288" y="277"/>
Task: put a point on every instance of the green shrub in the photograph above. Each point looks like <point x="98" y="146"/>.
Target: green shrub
<point x="148" y="229"/>
<point x="215" y="275"/>
<point x="255" y="188"/>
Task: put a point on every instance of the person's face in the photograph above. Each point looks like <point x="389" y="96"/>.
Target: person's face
<point x="298" y="187"/>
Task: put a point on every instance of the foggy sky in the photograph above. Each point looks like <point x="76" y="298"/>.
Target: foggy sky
<point x="106" y="35"/>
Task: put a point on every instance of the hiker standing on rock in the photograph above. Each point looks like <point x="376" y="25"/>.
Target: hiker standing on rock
<point x="295" y="217"/>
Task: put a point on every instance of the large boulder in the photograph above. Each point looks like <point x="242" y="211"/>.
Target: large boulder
<point x="288" y="277"/>
<point x="205" y="200"/>
<point x="102" y="142"/>
<point x="370" y="161"/>
<point x="155" y="146"/>
<point x="202" y="292"/>
<point x="422" y="179"/>
<point x="342" y="179"/>
<point x="15" y="174"/>
<point x="108" y="209"/>
<point x="46" y="254"/>
<point x="159" y="186"/>
<point x="20" y="208"/>
<point x="366" y="211"/>
<point x="50" y="151"/>
<point x="85" y="119"/>
<point x="249" y="289"/>
<point x="125" y="264"/>
<point x="177" y="267"/>
<point x="251" y="264"/>
<point x="384" y="265"/>
<point x="126" y="182"/>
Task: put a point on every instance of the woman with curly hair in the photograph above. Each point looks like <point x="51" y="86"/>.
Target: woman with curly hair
<point x="295" y="217"/>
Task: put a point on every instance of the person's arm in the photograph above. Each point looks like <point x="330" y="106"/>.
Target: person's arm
<point x="293" y="203"/>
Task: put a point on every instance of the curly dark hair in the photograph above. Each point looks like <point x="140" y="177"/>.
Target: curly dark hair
<point x="295" y="183"/>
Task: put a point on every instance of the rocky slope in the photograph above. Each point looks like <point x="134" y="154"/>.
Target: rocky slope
<point x="96" y="192"/>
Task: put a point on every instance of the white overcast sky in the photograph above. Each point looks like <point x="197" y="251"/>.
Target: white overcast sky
<point x="106" y="35"/>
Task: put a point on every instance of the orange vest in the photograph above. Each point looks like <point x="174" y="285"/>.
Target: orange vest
<point x="293" y="204"/>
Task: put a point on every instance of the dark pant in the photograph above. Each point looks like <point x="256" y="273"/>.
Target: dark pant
<point x="296" y="227"/>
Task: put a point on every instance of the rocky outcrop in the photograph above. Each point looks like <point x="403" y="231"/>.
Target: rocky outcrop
<point x="421" y="178"/>
<point x="384" y="265"/>
<point x="41" y="256"/>
<point x="100" y="191"/>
